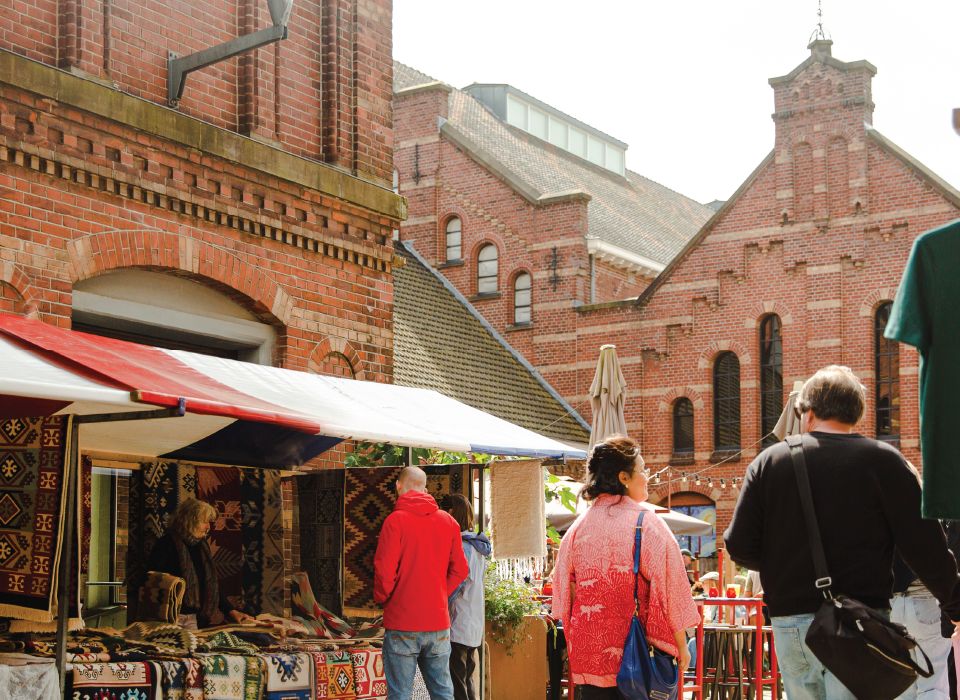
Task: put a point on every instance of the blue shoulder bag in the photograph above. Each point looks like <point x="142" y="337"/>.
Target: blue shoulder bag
<point x="646" y="673"/>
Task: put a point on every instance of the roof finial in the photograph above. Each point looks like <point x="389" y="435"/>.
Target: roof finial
<point x="819" y="33"/>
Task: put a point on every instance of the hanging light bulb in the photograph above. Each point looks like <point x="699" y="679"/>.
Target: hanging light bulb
<point x="723" y="484"/>
<point x="710" y="481"/>
<point x="683" y="477"/>
<point x="697" y="482"/>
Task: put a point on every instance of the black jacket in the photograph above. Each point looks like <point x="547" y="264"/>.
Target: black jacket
<point x="164" y="557"/>
<point x="867" y="501"/>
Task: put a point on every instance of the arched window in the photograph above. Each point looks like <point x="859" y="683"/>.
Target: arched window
<point x="726" y="402"/>
<point x="683" y="427"/>
<point x="487" y="270"/>
<point x="521" y="299"/>
<point x="887" y="372"/>
<point x="453" y="240"/>
<point x="771" y="377"/>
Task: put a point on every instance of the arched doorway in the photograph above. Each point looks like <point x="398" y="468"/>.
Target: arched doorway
<point x="170" y="312"/>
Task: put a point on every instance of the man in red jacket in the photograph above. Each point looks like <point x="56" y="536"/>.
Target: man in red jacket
<point x="419" y="563"/>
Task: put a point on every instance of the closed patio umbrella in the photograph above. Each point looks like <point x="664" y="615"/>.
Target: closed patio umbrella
<point x="606" y="396"/>
<point x="789" y="424"/>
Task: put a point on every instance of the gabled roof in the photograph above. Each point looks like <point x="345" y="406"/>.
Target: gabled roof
<point x="442" y="343"/>
<point x="948" y="192"/>
<point x="632" y="212"/>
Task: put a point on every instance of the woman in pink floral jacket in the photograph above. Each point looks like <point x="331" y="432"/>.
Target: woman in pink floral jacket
<point x="593" y="582"/>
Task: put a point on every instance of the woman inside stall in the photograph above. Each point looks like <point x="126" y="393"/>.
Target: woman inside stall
<point x="183" y="551"/>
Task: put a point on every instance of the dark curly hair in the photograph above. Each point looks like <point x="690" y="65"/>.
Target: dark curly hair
<point x="607" y="459"/>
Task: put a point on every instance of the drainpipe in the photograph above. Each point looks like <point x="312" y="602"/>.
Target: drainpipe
<point x="593" y="245"/>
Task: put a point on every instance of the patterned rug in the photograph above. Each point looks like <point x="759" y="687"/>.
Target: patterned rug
<point x="246" y="539"/>
<point x="32" y="472"/>
<point x="333" y="671"/>
<point x="132" y="681"/>
<point x="289" y="676"/>
<point x="370" y="678"/>
<point x="182" y="680"/>
<point x="369" y="497"/>
<point x="320" y="507"/>
<point x="232" y="677"/>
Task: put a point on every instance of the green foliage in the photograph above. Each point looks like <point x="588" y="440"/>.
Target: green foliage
<point x="564" y="494"/>
<point x="381" y="454"/>
<point x="506" y="603"/>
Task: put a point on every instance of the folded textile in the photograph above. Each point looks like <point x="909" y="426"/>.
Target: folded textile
<point x="33" y="681"/>
<point x="161" y="597"/>
<point x="134" y="681"/>
<point x="368" y="671"/>
<point x="314" y="616"/>
<point x="289" y="676"/>
<point x="257" y="639"/>
<point x="282" y="627"/>
<point x="230" y="677"/>
<point x="227" y="643"/>
<point x="334" y="675"/>
<point x="158" y="637"/>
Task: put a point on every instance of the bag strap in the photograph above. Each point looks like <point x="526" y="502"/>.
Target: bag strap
<point x="809" y="515"/>
<point x="637" y="540"/>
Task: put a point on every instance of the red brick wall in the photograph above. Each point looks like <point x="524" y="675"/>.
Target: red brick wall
<point x="324" y="93"/>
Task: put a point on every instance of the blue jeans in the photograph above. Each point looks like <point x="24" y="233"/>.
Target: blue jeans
<point x="804" y="677"/>
<point x="919" y="612"/>
<point x="404" y="651"/>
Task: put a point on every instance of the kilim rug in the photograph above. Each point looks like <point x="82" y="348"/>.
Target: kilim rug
<point x="320" y="508"/>
<point x="370" y="678"/>
<point x="123" y="681"/>
<point x="262" y="534"/>
<point x="232" y="677"/>
<point x="32" y="472"/>
<point x="334" y="675"/>
<point x="182" y="680"/>
<point x="289" y="676"/>
<point x="369" y="497"/>
<point x="220" y="487"/>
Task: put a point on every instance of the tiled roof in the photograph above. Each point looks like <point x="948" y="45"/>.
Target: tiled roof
<point x="635" y="212"/>
<point x="441" y="343"/>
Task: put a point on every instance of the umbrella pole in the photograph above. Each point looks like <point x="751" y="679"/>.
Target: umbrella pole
<point x="72" y="474"/>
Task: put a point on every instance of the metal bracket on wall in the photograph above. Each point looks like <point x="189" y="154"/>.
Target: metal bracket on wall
<point x="178" y="68"/>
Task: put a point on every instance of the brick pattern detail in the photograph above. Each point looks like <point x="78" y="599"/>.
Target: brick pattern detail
<point x="336" y="357"/>
<point x="276" y="93"/>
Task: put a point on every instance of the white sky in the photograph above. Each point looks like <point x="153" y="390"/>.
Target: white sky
<point x="685" y="83"/>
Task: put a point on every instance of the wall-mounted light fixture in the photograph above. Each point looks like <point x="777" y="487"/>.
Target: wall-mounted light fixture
<point x="178" y="68"/>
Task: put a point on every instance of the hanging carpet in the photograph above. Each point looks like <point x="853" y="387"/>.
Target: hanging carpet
<point x="32" y="510"/>
<point x="369" y="497"/>
<point x="334" y="676"/>
<point x="320" y="506"/>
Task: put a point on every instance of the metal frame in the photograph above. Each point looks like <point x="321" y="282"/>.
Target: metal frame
<point x="178" y="68"/>
<point x="72" y="470"/>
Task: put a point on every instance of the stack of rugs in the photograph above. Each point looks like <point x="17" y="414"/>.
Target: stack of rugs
<point x="315" y="656"/>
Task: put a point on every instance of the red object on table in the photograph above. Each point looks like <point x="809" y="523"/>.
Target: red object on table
<point x="714" y="593"/>
<point x="547" y="589"/>
<point x="731" y="592"/>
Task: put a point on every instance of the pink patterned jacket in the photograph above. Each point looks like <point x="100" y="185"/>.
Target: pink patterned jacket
<point x="597" y="554"/>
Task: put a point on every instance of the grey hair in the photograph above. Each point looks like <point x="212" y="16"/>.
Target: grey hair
<point x="188" y="516"/>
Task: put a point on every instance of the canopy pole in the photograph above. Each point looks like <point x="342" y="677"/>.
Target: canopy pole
<point x="72" y="473"/>
<point x="483" y="642"/>
<point x="408" y="456"/>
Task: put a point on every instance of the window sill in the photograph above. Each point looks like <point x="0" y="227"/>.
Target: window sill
<point x="726" y="455"/>
<point x="451" y="263"/>
<point x="893" y="441"/>
<point x="682" y="460"/>
<point x="485" y="297"/>
<point x="518" y="327"/>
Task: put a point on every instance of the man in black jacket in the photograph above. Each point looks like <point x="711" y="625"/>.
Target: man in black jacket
<point x="867" y="502"/>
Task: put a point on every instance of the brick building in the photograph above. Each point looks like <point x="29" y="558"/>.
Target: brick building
<point x="795" y="271"/>
<point x="252" y="221"/>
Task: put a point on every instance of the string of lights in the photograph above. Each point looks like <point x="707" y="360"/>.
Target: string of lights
<point x="655" y="477"/>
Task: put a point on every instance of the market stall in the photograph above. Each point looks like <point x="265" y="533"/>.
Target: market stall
<point x="119" y="401"/>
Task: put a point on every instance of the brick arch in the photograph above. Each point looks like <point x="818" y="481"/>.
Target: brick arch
<point x="659" y="494"/>
<point x="764" y="308"/>
<point x="878" y="296"/>
<point x="186" y="256"/>
<point x="668" y="399"/>
<point x="474" y="264"/>
<point x="336" y="346"/>
<point x="709" y="353"/>
<point x="13" y="276"/>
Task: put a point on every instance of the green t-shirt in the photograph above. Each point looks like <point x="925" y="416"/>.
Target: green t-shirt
<point x="926" y="314"/>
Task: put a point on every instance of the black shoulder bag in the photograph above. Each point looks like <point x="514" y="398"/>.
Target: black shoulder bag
<point x="868" y="654"/>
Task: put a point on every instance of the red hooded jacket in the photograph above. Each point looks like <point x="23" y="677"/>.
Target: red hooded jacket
<point x="419" y="563"/>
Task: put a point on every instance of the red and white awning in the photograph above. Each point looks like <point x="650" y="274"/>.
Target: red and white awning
<point x="237" y="412"/>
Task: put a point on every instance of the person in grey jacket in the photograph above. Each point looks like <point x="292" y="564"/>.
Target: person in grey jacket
<point x="466" y="603"/>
